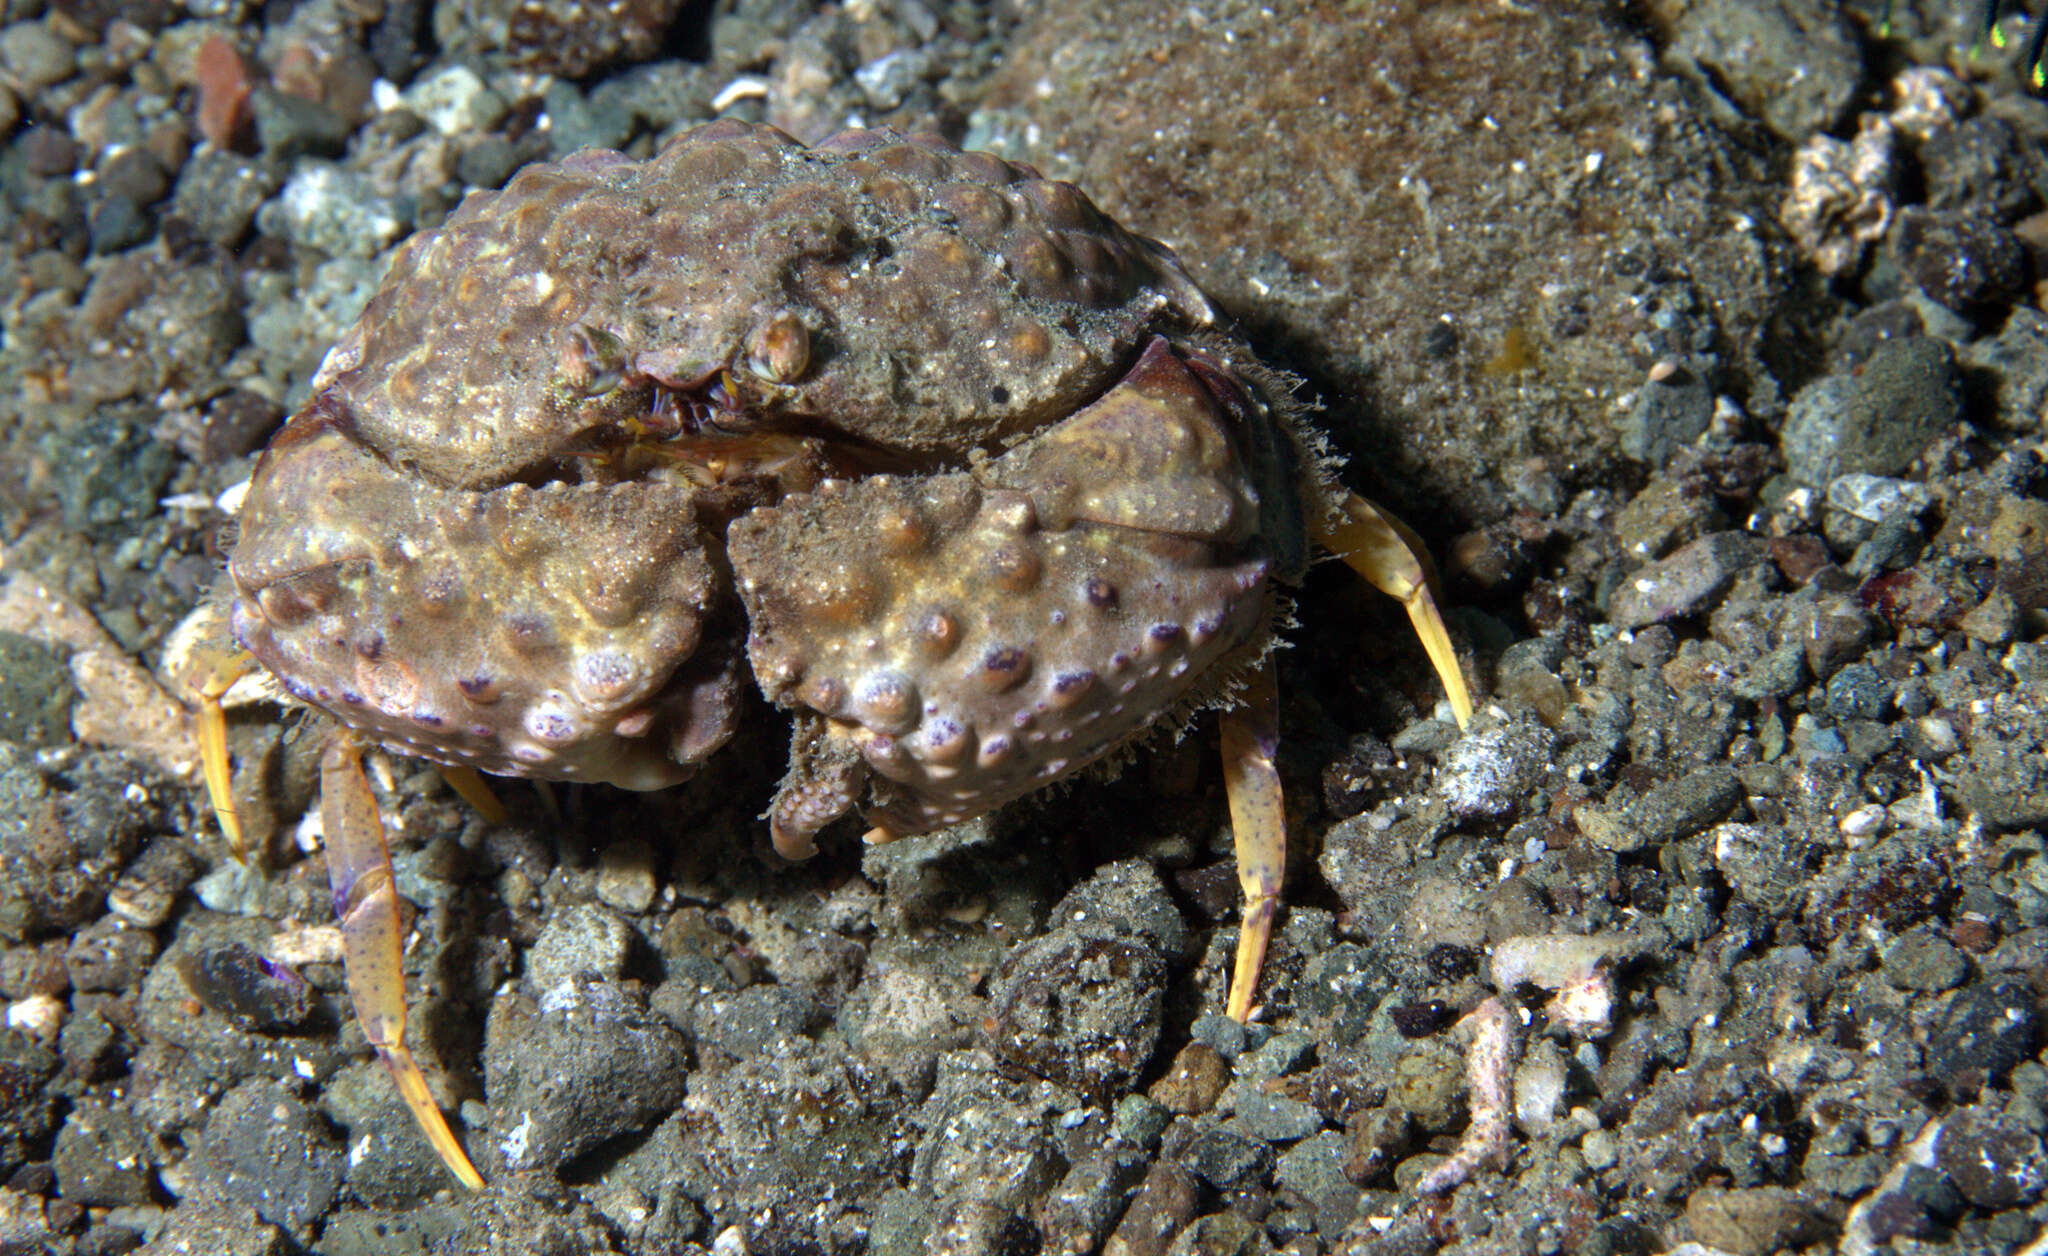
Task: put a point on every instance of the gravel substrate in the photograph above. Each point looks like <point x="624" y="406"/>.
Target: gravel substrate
<point x="1707" y="345"/>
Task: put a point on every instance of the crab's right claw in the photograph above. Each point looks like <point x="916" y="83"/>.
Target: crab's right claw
<point x="366" y="902"/>
<point x="213" y="747"/>
<point x="1382" y="549"/>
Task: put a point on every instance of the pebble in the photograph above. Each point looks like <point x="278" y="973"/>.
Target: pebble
<point x="1688" y="582"/>
<point x="289" y="126"/>
<point x="218" y="192"/>
<point x="1994" y="1161"/>
<point x="1140" y="1120"/>
<point x="625" y="876"/>
<point x="1274" y="1118"/>
<point x="1162" y="1208"/>
<point x="1667" y="513"/>
<point x="753" y="1020"/>
<point x="1667" y="416"/>
<point x="2014" y="364"/>
<point x="1080" y="1006"/>
<point x="1666" y="813"/>
<point x="35" y="57"/>
<point x="36" y="693"/>
<point x="1962" y="261"/>
<point x="62" y="848"/>
<point x="455" y="101"/>
<point x="334" y="210"/>
<point x="575" y="1069"/>
<point x="1981" y="164"/>
<point x="1877" y="498"/>
<point x="887" y="80"/>
<point x="266" y="1148"/>
<point x="1986" y="1030"/>
<point x="102" y="1156"/>
<point x="1876" y="420"/>
<point x="1754" y="1221"/>
<point x="257" y="995"/>
<point x="1490" y="772"/>
<point x="1314" y="1169"/>
<point x="578" y="940"/>
<point x="1228" y="1161"/>
<point x="1794" y="67"/>
<point x="146" y="892"/>
<point x="1195" y="1082"/>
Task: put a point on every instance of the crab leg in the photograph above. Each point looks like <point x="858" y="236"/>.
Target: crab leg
<point x="373" y="935"/>
<point x="468" y="784"/>
<point x="1382" y="549"/>
<point x="1258" y="820"/>
<point x="213" y="746"/>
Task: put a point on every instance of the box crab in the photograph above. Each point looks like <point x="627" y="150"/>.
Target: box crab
<point x="969" y="478"/>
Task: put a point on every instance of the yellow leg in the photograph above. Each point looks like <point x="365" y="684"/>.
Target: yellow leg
<point x="1382" y="549"/>
<point x="213" y="746"/>
<point x="1258" y="823"/>
<point x="468" y="783"/>
<point x="367" y="903"/>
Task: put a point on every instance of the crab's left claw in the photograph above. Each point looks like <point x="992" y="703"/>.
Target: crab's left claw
<point x="1258" y="824"/>
<point x="373" y="935"/>
<point x="1382" y="549"/>
<point x="213" y="746"/>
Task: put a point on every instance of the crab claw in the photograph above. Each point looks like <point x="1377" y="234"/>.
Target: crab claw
<point x="373" y="935"/>
<point x="1382" y="549"/>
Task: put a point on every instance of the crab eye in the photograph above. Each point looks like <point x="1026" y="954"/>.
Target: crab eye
<point x="779" y="350"/>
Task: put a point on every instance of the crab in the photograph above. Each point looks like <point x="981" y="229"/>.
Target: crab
<point x="969" y="479"/>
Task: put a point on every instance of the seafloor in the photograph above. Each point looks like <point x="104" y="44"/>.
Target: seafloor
<point x="1703" y="341"/>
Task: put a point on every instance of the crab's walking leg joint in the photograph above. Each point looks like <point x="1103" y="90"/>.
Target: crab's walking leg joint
<point x="367" y="903"/>
<point x="213" y="746"/>
<point x="1382" y="549"/>
<point x="1258" y="820"/>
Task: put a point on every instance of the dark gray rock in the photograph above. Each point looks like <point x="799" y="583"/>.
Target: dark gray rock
<point x="1923" y="959"/>
<point x="102" y="1156"/>
<point x="1793" y="65"/>
<point x="1983" y="164"/>
<point x="772" y="1135"/>
<point x="580" y="1066"/>
<point x="752" y="1020"/>
<point x="1314" y="1169"/>
<point x="1080" y="1007"/>
<point x="1228" y="1161"/>
<point x="1961" y="260"/>
<point x="1994" y="1161"/>
<point x="268" y="1149"/>
<point x="219" y="192"/>
<point x="257" y="994"/>
<point x="109" y="954"/>
<point x="1077" y="1213"/>
<point x="1876" y="420"/>
<point x="1667" y="416"/>
<point x="1688" y="582"/>
<point x="578" y="940"/>
<point x="2013" y="367"/>
<point x="390" y="1162"/>
<point x="209" y="1226"/>
<point x="36" y="693"/>
<point x="1274" y="1118"/>
<point x="1754" y="1221"/>
<point x="64" y="838"/>
<point x="1988" y="1028"/>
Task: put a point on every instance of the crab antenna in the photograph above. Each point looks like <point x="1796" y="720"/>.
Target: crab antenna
<point x="2036" y="59"/>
